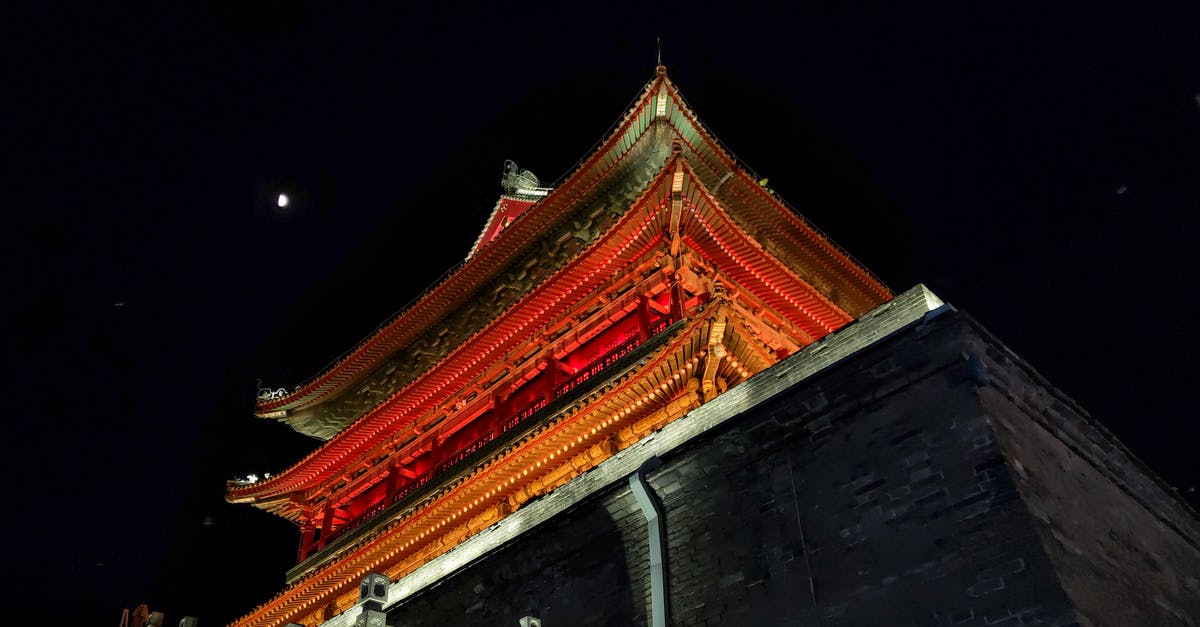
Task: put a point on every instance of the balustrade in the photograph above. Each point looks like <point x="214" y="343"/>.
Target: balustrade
<point x="506" y="419"/>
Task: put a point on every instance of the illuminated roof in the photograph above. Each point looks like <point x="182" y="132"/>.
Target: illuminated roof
<point x="706" y="228"/>
<point x="602" y="435"/>
<point x="613" y="174"/>
<point x="658" y="248"/>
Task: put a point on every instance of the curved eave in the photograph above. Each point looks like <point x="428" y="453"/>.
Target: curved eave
<point x="473" y="273"/>
<point x="720" y="169"/>
<point x="746" y="262"/>
<point x="579" y="438"/>
<point x="770" y="213"/>
<point x="628" y="239"/>
<point x="708" y="229"/>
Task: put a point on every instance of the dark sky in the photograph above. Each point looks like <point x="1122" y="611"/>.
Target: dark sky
<point x="1036" y="164"/>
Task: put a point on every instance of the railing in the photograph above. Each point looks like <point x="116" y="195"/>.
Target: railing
<point x="463" y="452"/>
<point x="625" y="346"/>
<point x="521" y="416"/>
<point x="377" y="508"/>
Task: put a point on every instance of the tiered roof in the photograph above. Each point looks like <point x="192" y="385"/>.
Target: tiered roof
<point x="629" y="156"/>
<point x="660" y="216"/>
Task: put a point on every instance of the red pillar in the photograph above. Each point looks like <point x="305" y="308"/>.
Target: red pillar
<point x="307" y="529"/>
<point x="422" y="465"/>
<point x="326" y="524"/>
<point x="499" y="414"/>
<point x="392" y="484"/>
<point x="551" y="372"/>
<point x="676" y="300"/>
<point x="644" y="319"/>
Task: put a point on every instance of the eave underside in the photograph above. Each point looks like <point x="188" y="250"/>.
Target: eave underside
<point x="632" y="223"/>
<point x="614" y="174"/>
<point x="710" y="241"/>
<point x="630" y="405"/>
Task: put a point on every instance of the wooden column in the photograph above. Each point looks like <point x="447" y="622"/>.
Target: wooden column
<point x="676" y="299"/>
<point x="393" y="482"/>
<point x="326" y="524"/>
<point x="499" y="414"/>
<point x="553" y="377"/>
<point x="307" y="530"/>
<point x="644" y="318"/>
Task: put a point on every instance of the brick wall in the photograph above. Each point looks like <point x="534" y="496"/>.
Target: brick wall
<point x="572" y="572"/>
<point x="1123" y="546"/>
<point x="886" y="490"/>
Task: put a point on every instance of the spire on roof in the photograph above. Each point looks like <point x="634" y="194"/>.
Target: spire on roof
<point x="662" y="69"/>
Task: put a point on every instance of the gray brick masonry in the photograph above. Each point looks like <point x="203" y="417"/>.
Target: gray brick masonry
<point x="908" y="470"/>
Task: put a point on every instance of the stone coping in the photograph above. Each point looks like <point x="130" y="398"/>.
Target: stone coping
<point x="906" y="309"/>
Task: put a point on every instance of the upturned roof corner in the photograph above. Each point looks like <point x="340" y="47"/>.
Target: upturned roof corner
<point x="658" y="130"/>
<point x="657" y="275"/>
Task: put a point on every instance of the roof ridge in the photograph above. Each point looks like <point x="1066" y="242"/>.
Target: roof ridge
<point x="296" y="399"/>
<point x="615" y="148"/>
<point x="661" y="175"/>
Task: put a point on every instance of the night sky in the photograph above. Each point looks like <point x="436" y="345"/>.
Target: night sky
<point x="1035" y="164"/>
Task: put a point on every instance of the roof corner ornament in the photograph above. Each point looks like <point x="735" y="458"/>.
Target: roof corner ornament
<point x="267" y="394"/>
<point x="515" y="178"/>
<point x="520" y="182"/>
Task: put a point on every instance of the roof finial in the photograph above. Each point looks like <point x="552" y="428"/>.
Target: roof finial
<point x="662" y="69"/>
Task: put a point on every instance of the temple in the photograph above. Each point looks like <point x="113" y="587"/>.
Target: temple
<point x="657" y="361"/>
<point x="658" y="275"/>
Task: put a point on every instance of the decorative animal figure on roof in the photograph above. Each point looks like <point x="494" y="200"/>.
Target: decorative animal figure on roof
<point x="515" y="178"/>
<point x="272" y="395"/>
